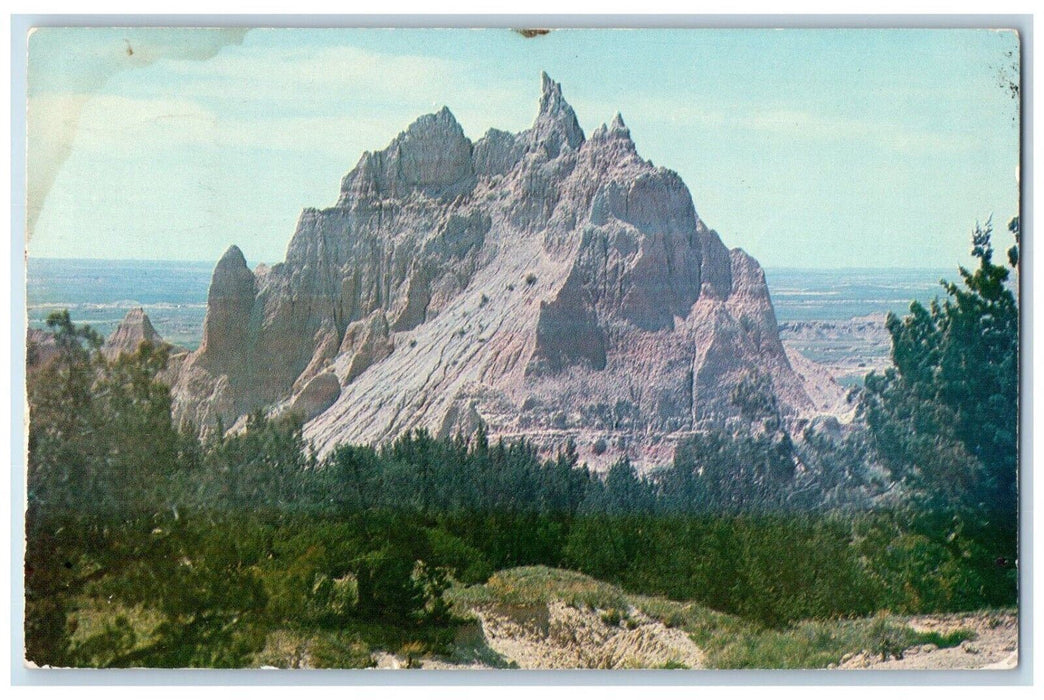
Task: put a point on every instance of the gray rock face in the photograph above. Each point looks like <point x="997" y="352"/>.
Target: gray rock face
<point x="134" y="329"/>
<point x="40" y="349"/>
<point x="317" y="396"/>
<point x="542" y="284"/>
<point x="432" y="157"/>
<point x="226" y="328"/>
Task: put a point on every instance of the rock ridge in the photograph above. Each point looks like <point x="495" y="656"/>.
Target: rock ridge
<point x="542" y="284"/>
<point x="133" y="330"/>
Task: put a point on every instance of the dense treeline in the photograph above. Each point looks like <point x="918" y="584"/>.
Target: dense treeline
<point x="146" y="547"/>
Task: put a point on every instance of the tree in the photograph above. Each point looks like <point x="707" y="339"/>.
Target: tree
<point x="76" y="471"/>
<point x="101" y="510"/>
<point x="945" y="417"/>
<point x="748" y="468"/>
<point x="100" y="433"/>
<point x="61" y="421"/>
<point x="268" y="465"/>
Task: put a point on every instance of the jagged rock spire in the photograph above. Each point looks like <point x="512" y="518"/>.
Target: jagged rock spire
<point x="618" y="128"/>
<point x="556" y="125"/>
<point x="232" y="259"/>
<point x="134" y="329"/>
<point x="533" y="283"/>
<point x="229" y="305"/>
<point x="551" y="100"/>
<point x="432" y="155"/>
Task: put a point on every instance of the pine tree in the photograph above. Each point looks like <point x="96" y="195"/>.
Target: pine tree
<point x="945" y="417"/>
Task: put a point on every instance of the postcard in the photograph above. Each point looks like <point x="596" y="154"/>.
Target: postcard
<point x="689" y="349"/>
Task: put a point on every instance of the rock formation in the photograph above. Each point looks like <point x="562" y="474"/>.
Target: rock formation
<point x="40" y="348"/>
<point x="134" y="329"/>
<point x="543" y="284"/>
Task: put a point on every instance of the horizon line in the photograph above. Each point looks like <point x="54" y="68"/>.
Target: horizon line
<point x="214" y="261"/>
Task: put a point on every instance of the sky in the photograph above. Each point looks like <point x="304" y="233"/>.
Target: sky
<point x="805" y="147"/>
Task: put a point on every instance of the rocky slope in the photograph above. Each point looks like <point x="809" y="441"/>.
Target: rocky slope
<point x="556" y="635"/>
<point x="134" y="329"/>
<point x="994" y="646"/>
<point x="544" y="284"/>
<point x="848" y="349"/>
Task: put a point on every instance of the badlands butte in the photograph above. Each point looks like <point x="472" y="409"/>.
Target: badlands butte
<point x="545" y="284"/>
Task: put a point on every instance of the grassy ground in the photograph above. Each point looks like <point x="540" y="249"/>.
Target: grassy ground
<point x="105" y="635"/>
<point x="729" y="641"/>
<point x="531" y="585"/>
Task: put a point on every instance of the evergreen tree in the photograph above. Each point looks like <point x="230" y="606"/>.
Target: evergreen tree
<point x="945" y="417"/>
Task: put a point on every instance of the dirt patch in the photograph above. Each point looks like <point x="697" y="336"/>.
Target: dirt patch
<point x="563" y="636"/>
<point x="994" y="645"/>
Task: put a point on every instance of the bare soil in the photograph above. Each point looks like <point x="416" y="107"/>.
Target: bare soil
<point x="560" y="636"/>
<point x="995" y="645"/>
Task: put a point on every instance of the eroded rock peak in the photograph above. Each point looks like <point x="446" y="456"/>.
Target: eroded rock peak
<point x="539" y="284"/>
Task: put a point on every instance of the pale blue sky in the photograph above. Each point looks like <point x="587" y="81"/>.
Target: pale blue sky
<point x="813" y="148"/>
